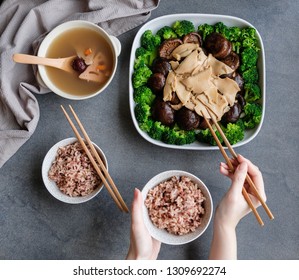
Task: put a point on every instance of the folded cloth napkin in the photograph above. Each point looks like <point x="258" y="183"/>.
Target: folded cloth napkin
<point x="23" y="24"/>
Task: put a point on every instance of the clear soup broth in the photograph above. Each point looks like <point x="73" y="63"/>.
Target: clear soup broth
<point x="75" y="42"/>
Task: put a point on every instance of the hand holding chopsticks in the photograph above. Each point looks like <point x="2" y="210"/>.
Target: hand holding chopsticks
<point x="231" y="167"/>
<point x="102" y="171"/>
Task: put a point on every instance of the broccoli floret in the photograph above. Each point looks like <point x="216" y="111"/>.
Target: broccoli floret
<point x="157" y="130"/>
<point x="144" y="94"/>
<point x="236" y="47"/>
<point x="141" y="57"/>
<point x="249" y="58"/>
<point x="252" y="92"/>
<point x="147" y="125"/>
<point x="144" y="57"/>
<point x="234" y="34"/>
<point x="206" y="136"/>
<point x="149" y="41"/>
<point x="250" y="43"/>
<point x="139" y="62"/>
<point x="250" y="75"/>
<point x="140" y="52"/>
<point x="248" y="38"/>
<point x="142" y="112"/>
<point x="205" y="30"/>
<point x="240" y="123"/>
<point x="253" y="115"/>
<point x="234" y="133"/>
<point x="221" y="28"/>
<point x="140" y="76"/>
<point x="167" y="32"/>
<point x="178" y="136"/>
<point x="183" y="27"/>
<point x="248" y="32"/>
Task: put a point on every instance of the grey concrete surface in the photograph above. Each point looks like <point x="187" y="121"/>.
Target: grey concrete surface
<point x="34" y="225"/>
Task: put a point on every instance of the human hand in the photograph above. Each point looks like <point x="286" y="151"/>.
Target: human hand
<point x="233" y="207"/>
<point x="142" y="245"/>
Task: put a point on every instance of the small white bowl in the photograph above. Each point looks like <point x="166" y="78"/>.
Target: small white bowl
<point x="51" y="185"/>
<point x="161" y="234"/>
<point x="42" y="76"/>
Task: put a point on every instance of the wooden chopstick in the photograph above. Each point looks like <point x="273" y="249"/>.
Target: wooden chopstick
<point x="231" y="167"/>
<point x="248" y="179"/>
<point x="113" y="192"/>
<point x="104" y="169"/>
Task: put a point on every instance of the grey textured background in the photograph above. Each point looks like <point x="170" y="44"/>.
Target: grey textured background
<point x="34" y="225"/>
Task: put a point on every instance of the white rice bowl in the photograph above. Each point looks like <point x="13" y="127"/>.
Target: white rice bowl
<point x="52" y="186"/>
<point x="174" y="238"/>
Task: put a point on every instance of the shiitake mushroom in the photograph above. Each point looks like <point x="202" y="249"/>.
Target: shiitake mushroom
<point x="156" y="82"/>
<point x="240" y="82"/>
<point x="161" y="65"/>
<point x="167" y="47"/>
<point x="233" y="114"/>
<point x="194" y="38"/>
<point x="175" y="100"/>
<point x="241" y="100"/>
<point x="187" y="119"/>
<point x="203" y="124"/>
<point x="218" y="45"/>
<point x="232" y="60"/>
<point x="163" y="112"/>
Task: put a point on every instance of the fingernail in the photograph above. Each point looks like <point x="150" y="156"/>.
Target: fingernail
<point x="136" y="192"/>
<point x="224" y="164"/>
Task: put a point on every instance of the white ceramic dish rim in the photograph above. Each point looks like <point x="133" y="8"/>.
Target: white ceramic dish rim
<point x="197" y="19"/>
<point x="51" y="185"/>
<point x="42" y="51"/>
<point x="163" y="235"/>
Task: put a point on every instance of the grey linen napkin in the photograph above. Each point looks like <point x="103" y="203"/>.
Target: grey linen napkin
<point x="23" y="24"/>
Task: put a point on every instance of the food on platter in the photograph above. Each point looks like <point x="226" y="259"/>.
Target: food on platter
<point x="182" y="70"/>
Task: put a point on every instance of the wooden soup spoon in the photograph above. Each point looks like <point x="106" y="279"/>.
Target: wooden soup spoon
<point x="65" y="64"/>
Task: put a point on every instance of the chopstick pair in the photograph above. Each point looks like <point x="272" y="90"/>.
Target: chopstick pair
<point x="102" y="170"/>
<point x="231" y="167"/>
